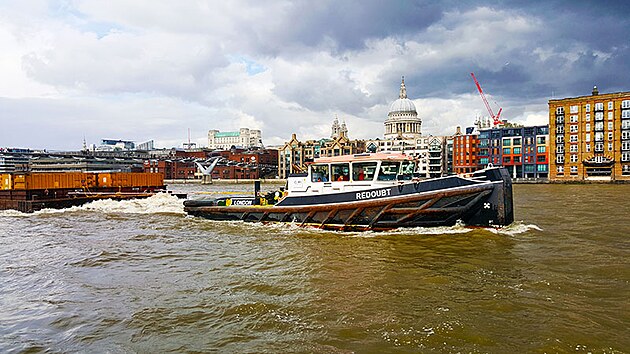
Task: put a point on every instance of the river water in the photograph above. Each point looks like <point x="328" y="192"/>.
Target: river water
<point x="142" y="277"/>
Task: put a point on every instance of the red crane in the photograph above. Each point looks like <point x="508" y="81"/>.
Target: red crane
<point x="496" y="119"/>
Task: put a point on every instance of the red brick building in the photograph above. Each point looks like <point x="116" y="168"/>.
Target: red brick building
<point x="171" y="169"/>
<point x="236" y="164"/>
<point x="465" y="153"/>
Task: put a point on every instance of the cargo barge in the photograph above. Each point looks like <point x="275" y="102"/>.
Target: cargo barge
<point x="29" y="192"/>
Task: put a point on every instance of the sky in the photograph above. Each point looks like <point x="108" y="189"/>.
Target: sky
<point x="169" y="71"/>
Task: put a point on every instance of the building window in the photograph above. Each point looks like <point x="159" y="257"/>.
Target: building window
<point x="625" y="114"/>
<point x="560" y="169"/>
<point x="517" y="151"/>
<point x="573" y="158"/>
<point x="588" y="117"/>
<point x="573" y="139"/>
<point x="587" y="137"/>
<point x="506" y="151"/>
<point x="541" y="149"/>
<point x="541" y="140"/>
<point x="574" y="119"/>
<point x="588" y="127"/>
<point x="559" y="158"/>
<point x="517" y="159"/>
<point x="625" y="156"/>
<point x="610" y="125"/>
<point x="573" y="148"/>
<point x="588" y="147"/>
<point x="507" y="142"/>
<point x="560" y="110"/>
<point x="599" y="115"/>
<point x="599" y="106"/>
<point x="610" y="146"/>
<point x="610" y="106"/>
<point x="625" y="104"/>
<point x="610" y="136"/>
<point x="599" y="136"/>
<point x="625" y="145"/>
<point x="625" y="124"/>
<point x="599" y="126"/>
<point x="541" y="168"/>
<point x="574" y="129"/>
<point x="517" y="141"/>
<point x="573" y="169"/>
<point x="506" y="159"/>
<point x="610" y="115"/>
<point x="560" y="149"/>
<point x="625" y="135"/>
<point x="573" y="109"/>
<point x="588" y="107"/>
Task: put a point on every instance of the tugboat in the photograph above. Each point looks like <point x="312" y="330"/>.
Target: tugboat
<point x="378" y="191"/>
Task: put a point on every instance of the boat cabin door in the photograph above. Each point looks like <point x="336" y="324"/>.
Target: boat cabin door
<point x="321" y="178"/>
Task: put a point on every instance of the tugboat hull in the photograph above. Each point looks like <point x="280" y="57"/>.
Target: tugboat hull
<point x="484" y="200"/>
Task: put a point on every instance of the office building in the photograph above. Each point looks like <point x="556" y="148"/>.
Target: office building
<point x="244" y="138"/>
<point x="524" y="151"/>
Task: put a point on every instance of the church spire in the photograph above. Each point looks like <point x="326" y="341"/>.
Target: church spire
<point x="335" y="128"/>
<point x="403" y="89"/>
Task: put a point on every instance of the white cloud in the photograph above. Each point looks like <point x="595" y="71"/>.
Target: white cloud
<point x="152" y="70"/>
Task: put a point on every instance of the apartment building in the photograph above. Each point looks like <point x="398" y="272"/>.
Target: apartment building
<point x="590" y="137"/>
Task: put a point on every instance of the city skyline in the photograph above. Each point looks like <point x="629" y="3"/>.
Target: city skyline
<point x="151" y="71"/>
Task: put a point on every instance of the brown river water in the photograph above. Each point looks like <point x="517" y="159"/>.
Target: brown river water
<point x="142" y="277"/>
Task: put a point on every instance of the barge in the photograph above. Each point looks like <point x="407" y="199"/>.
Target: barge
<point x="379" y="191"/>
<point x="29" y="192"/>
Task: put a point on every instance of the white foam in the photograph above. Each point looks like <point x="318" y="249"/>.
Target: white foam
<point x="513" y="229"/>
<point x="159" y="203"/>
<point x="12" y="213"/>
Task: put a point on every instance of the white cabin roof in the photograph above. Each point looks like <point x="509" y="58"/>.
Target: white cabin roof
<point x="379" y="156"/>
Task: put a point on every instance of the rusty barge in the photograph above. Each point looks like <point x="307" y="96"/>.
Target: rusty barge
<point x="373" y="192"/>
<point x="29" y="192"/>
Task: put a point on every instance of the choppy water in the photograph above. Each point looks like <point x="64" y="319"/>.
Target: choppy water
<point x="140" y="276"/>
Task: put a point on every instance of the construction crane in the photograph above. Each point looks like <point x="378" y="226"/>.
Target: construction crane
<point x="495" y="119"/>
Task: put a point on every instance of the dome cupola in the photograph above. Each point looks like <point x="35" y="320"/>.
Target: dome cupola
<point x="402" y="119"/>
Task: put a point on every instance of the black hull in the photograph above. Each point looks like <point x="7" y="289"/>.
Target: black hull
<point x="485" y="200"/>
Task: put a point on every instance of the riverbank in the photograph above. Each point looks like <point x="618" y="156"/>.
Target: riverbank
<point x="546" y="181"/>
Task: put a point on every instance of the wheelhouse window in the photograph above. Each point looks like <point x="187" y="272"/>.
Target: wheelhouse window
<point x="363" y="171"/>
<point x="319" y="173"/>
<point x="407" y="170"/>
<point x="340" y="172"/>
<point x="389" y="170"/>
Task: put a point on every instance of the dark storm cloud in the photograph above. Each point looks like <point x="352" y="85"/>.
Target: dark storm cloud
<point x="351" y="23"/>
